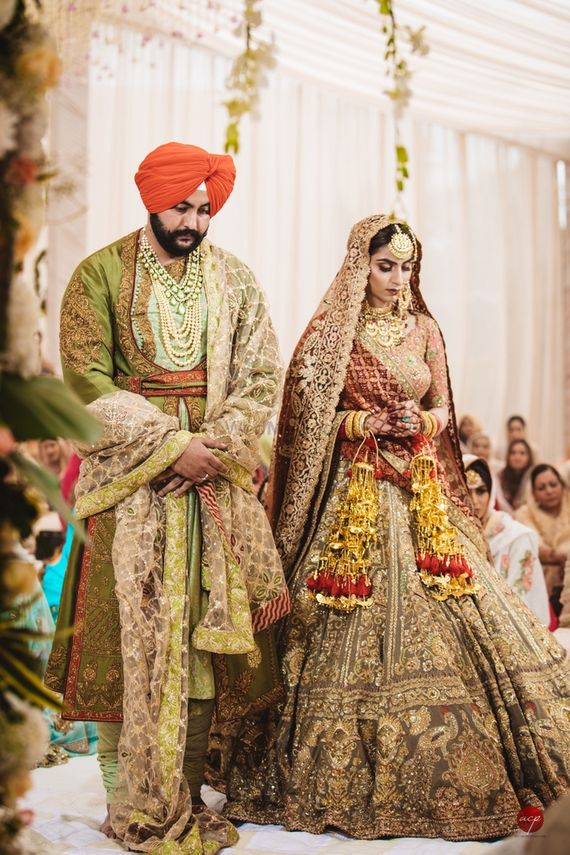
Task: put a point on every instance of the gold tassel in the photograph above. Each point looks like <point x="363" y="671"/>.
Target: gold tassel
<point x="341" y="580"/>
<point x="440" y="557"/>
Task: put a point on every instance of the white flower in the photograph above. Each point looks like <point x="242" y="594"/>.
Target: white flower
<point x="22" y="355"/>
<point x="417" y="40"/>
<point x="8" y="121"/>
<point x="25" y="737"/>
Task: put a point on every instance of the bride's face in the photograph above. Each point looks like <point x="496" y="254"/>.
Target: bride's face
<point x="387" y="277"/>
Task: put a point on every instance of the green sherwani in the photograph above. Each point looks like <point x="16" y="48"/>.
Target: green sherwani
<point x="110" y="341"/>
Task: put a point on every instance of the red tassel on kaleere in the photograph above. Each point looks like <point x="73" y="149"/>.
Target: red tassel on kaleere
<point x="340" y="579"/>
<point x="440" y="557"/>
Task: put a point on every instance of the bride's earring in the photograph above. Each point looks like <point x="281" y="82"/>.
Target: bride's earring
<point x="404" y="299"/>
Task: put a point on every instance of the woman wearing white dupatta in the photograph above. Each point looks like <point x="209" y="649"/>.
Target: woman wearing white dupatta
<point x="514" y="546"/>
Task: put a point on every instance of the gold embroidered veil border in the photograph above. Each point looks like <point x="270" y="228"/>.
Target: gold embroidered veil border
<point x="314" y="382"/>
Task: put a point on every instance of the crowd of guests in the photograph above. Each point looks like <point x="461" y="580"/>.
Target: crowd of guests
<point x="48" y="548"/>
<point x="524" y="505"/>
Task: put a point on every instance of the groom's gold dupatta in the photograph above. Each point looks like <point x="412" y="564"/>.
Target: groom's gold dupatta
<point x="240" y="567"/>
<point x="149" y="554"/>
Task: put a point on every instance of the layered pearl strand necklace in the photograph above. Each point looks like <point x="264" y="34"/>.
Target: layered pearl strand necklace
<point x="181" y="342"/>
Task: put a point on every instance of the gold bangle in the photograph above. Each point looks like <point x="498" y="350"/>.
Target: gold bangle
<point x="354" y="425"/>
<point x="429" y="424"/>
<point x="349" y="426"/>
<point x="362" y="417"/>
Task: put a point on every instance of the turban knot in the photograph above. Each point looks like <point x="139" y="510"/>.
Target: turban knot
<point x="174" y="171"/>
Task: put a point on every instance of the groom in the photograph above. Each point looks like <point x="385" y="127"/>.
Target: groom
<point x="162" y="317"/>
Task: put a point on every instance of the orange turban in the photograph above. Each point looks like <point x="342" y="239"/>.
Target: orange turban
<point x="173" y="171"/>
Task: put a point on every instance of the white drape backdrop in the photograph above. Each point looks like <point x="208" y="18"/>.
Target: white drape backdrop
<point x="317" y="161"/>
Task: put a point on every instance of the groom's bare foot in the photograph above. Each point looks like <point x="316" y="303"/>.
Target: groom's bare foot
<point x="106" y="826"/>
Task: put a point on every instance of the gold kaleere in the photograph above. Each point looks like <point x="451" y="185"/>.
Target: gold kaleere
<point x="440" y="557"/>
<point x="341" y="579"/>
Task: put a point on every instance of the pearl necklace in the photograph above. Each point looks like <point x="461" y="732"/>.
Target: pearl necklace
<point x="181" y="342"/>
<point x="385" y="325"/>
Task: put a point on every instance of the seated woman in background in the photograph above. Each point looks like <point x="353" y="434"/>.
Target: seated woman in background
<point x="516" y="428"/>
<point x="67" y="738"/>
<point x="513" y="477"/>
<point x="514" y="546"/>
<point x="467" y="426"/>
<point x="480" y="446"/>
<point x="53" y="454"/>
<point x="547" y="511"/>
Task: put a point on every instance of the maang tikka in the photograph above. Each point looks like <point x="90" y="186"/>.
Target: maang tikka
<point x="402" y="245"/>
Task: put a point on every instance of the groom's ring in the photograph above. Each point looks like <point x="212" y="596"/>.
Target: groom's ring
<point x="204" y="477"/>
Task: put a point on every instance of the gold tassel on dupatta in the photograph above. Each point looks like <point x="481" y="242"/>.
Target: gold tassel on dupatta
<point x="440" y="557"/>
<point x="341" y="579"/>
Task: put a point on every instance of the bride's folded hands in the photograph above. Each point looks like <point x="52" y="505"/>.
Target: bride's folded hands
<point x="399" y="420"/>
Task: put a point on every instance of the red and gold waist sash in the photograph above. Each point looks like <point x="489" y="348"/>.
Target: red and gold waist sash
<point x="168" y="384"/>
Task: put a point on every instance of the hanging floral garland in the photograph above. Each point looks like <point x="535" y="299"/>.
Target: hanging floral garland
<point x="31" y="406"/>
<point x="247" y="74"/>
<point x="29" y="67"/>
<point x="78" y="25"/>
<point x="400" y="73"/>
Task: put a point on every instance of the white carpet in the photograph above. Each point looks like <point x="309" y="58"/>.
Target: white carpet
<point x="69" y="805"/>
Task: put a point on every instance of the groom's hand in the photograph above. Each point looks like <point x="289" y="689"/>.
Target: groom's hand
<point x="195" y="465"/>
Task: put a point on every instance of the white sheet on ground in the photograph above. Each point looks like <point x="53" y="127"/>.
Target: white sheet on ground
<point x="69" y="805"/>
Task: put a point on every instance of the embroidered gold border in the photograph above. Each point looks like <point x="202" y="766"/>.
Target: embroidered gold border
<point x="128" y="255"/>
<point x="108" y="496"/>
<point x="141" y="313"/>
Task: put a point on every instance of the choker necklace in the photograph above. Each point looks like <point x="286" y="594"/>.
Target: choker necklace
<point x="386" y="326"/>
<point x="178" y="303"/>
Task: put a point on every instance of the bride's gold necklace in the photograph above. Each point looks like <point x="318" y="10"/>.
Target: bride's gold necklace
<point x="386" y="326"/>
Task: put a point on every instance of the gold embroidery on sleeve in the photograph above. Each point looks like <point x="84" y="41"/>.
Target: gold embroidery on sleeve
<point x="81" y="337"/>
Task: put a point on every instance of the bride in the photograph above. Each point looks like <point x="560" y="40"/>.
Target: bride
<point x="422" y="697"/>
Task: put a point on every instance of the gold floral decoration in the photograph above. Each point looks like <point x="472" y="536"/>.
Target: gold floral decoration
<point x="78" y="26"/>
<point x="247" y="74"/>
<point x="400" y="73"/>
